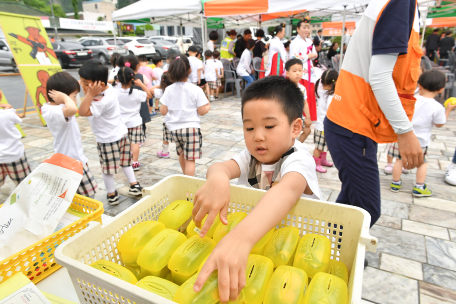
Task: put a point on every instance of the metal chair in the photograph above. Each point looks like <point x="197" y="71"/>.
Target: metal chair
<point x="230" y="77"/>
<point x="445" y="61"/>
<point x="335" y="62"/>
<point x="234" y="63"/>
<point x="449" y="87"/>
<point x="426" y="63"/>
<point x="257" y="66"/>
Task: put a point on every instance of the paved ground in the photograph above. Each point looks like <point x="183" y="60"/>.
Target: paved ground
<point x="416" y="258"/>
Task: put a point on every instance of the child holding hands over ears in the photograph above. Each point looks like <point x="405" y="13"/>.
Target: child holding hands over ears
<point x="130" y="99"/>
<point x="183" y="103"/>
<point x="275" y="161"/>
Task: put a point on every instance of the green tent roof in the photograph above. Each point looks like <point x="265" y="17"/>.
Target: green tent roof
<point x="447" y="9"/>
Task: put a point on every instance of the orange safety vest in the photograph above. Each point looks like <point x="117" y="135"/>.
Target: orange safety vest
<point x="355" y="107"/>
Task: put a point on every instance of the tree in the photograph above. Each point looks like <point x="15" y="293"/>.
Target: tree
<point x="123" y="3"/>
<point x="45" y="7"/>
<point x="74" y="3"/>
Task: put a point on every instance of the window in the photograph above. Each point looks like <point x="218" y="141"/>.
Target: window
<point x="2" y="44"/>
<point x="144" y="41"/>
<point x="87" y="43"/>
<point x="162" y="30"/>
<point x="100" y="42"/>
<point x="178" y="30"/>
<point x="125" y="40"/>
<point x="112" y="42"/>
<point x="314" y="32"/>
<point x="96" y="6"/>
<point x="187" y="40"/>
<point x="170" y="30"/>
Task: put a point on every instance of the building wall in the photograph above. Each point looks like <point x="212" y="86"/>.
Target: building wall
<point x="105" y="7"/>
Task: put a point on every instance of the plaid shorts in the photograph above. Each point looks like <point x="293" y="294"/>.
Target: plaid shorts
<point x="166" y="134"/>
<point x="212" y="85"/>
<point x="114" y="155"/>
<point x="17" y="170"/>
<point x="218" y="82"/>
<point x="393" y="151"/>
<point x="319" y="141"/>
<point x="188" y="141"/>
<point x="136" y="135"/>
<point x="88" y="186"/>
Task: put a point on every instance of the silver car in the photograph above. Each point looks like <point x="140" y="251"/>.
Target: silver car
<point x="103" y="48"/>
<point x="6" y="56"/>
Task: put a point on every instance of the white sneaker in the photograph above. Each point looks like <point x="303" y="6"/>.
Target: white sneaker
<point x="450" y="174"/>
<point x="211" y="98"/>
<point x="388" y="169"/>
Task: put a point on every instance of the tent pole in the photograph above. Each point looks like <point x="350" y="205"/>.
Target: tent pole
<point x="202" y="33"/>
<point x="182" y="33"/>
<point x="424" y="24"/>
<point x="114" y="29"/>
<point x="342" y="41"/>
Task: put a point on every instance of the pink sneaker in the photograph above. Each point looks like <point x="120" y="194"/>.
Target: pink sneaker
<point x="388" y="169"/>
<point x="324" y="162"/>
<point x="162" y="155"/>
<point x="319" y="167"/>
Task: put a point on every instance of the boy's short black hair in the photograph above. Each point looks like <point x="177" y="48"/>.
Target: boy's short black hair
<point x="216" y="54"/>
<point x="94" y="70"/>
<point x="247" y="32"/>
<point x="156" y="60"/>
<point x="449" y="33"/>
<point x="143" y="58"/>
<point x="193" y="48"/>
<point x="319" y="31"/>
<point x="62" y="82"/>
<point x="213" y="35"/>
<point x="436" y="30"/>
<point x="432" y="81"/>
<point x="259" y="33"/>
<point x="292" y="62"/>
<point x="208" y="54"/>
<point x="278" y="89"/>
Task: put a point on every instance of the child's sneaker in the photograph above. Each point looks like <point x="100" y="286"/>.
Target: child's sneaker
<point x="153" y="113"/>
<point x="216" y="98"/>
<point x="136" y="166"/>
<point x="113" y="199"/>
<point x="157" y="109"/>
<point x="405" y="171"/>
<point x="135" y="189"/>
<point x="388" y="169"/>
<point x="211" y="98"/>
<point x="396" y="187"/>
<point x="162" y="155"/>
<point x="421" y="192"/>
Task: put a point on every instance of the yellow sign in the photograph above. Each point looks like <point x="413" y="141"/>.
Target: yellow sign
<point x="32" y="53"/>
<point x="3" y="100"/>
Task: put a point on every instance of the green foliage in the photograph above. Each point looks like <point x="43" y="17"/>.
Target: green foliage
<point x="101" y="18"/>
<point x="140" y="30"/>
<point x="123" y="3"/>
<point x="45" y="7"/>
<point x="75" y="3"/>
<point x="337" y="39"/>
<point x="149" y="27"/>
<point x="68" y="6"/>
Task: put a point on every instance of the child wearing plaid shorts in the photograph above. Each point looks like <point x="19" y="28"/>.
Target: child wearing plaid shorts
<point x="210" y="70"/>
<point x="59" y="113"/>
<point x="428" y="113"/>
<point x="328" y="81"/>
<point x="130" y="99"/>
<point x="13" y="161"/>
<point x="183" y="103"/>
<point x="219" y="71"/>
<point x="101" y="106"/>
<point x="158" y="93"/>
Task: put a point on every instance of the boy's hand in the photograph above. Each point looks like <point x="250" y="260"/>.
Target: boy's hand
<point x="57" y="97"/>
<point x="451" y="107"/>
<point x="211" y="199"/>
<point x="230" y="259"/>
<point x="95" y="89"/>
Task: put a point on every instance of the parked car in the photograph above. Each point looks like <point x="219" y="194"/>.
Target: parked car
<point x="103" y="48"/>
<point x="139" y="46"/>
<point x="183" y="47"/>
<point x="6" y="56"/>
<point x="71" y="53"/>
<point x="162" y="47"/>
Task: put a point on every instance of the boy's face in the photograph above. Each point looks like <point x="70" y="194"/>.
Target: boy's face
<point x="267" y="132"/>
<point x="295" y="73"/>
<point x="86" y="83"/>
<point x="143" y="63"/>
<point x="160" y="64"/>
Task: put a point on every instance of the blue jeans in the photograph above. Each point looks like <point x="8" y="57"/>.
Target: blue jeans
<point x="249" y="79"/>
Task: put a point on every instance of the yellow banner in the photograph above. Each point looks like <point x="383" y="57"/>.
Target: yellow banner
<point x="32" y="52"/>
<point x="3" y="100"/>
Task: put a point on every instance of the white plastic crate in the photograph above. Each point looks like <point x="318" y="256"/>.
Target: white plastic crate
<point x="346" y="227"/>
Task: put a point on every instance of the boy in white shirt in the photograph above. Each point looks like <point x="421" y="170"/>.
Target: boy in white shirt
<point x="196" y="66"/>
<point x="13" y="161"/>
<point x="275" y="161"/>
<point x="101" y="106"/>
<point x="428" y="113"/>
<point x="219" y="70"/>
<point x="59" y="113"/>
<point x="158" y="62"/>
<point x="210" y="70"/>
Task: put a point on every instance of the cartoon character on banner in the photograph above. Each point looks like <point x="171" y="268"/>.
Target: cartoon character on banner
<point x="43" y="77"/>
<point x="40" y="50"/>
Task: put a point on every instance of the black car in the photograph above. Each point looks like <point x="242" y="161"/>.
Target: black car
<point x="71" y="53"/>
<point x="163" y="47"/>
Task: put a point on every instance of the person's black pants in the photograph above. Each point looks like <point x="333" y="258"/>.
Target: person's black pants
<point x="430" y="54"/>
<point x="355" y="156"/>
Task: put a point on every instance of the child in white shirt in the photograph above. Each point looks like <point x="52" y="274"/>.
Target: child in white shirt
<point x="219" y="70"/>
<point x="101" y="106"/>
<point x="196" y="66"/>
<point x="158" y="93"/>
<point x="210" y="69"/>
<point x="203" y="83"/>
<point x="274" y="160"/>
<point x="183" y="103"/>
<point x="13" y="161"/>
<point x="130" y="100"/>
<point x="428" y="113"/>
<point x="59" y="113"/>
<point x="158" y="61"/>
<point x="328" y="80"/>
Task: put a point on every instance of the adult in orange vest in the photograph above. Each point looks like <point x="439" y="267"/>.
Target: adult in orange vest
<point x="373" y="101"/>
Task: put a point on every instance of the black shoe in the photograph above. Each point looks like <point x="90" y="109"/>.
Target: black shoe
<point x="365" y="263"/>
<point x="113" y="199"/>
<point x="216" y="98"/>
<point x="135" y="189"/>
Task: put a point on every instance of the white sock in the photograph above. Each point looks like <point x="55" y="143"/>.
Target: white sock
<point x="109" y="182"/>
<point x="165" y="149"/>
<point x="130" y="174"/>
